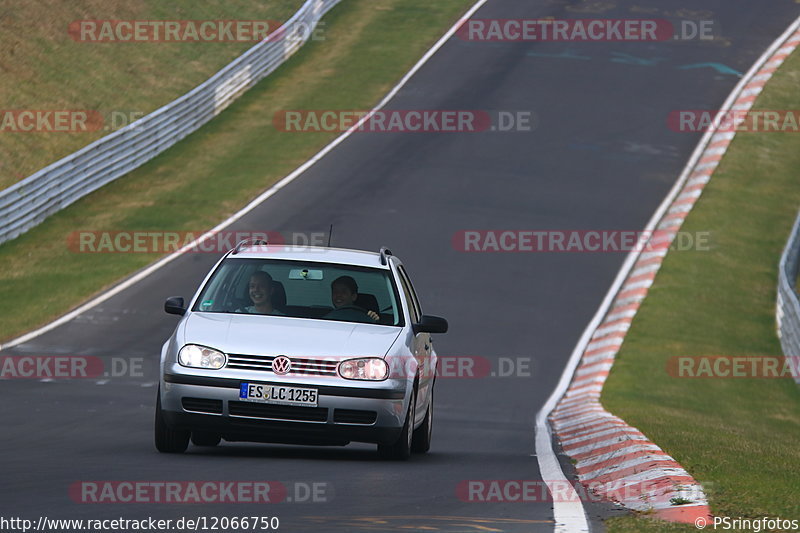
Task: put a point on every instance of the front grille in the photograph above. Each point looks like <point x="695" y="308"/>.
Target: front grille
<point x="280" y="412"/>
<point x="354" y="416"/>
<point x="202" y="405"/>
<point x="300" y="365"/>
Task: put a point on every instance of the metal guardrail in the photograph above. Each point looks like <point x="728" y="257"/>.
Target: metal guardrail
<point x="30" y="201"/>
<point x="788" y="307"/>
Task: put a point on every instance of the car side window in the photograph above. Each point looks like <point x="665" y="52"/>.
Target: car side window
<point x="410" y="295"/>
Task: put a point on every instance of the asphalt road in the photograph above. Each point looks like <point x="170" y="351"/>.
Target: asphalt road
<point x="599" y="157"/>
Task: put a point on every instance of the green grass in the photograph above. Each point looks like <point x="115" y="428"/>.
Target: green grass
<point x="43" y="68"/>
<point x="739" y="437"/>
<point x="369" y="46"/>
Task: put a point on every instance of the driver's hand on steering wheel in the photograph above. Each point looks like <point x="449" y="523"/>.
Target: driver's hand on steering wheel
<point x="373" y="315"/>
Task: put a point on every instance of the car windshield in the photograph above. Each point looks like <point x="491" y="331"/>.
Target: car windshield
<point x="298" y="289"/>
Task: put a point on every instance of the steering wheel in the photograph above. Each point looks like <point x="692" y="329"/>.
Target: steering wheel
<point x="360" y="310"/>
<point x="351" y="307"/>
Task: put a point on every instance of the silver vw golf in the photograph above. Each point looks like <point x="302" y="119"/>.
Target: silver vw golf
<point x="306" y="345"/>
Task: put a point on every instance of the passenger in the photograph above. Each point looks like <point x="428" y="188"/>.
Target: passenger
<point x="344" y="293"/>
<point x="260" y="291"/>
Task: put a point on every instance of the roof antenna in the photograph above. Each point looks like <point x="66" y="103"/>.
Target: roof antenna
<point x="330" y="236"/>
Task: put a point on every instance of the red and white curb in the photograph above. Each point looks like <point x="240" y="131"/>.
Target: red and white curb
<point x="613" y="460"/>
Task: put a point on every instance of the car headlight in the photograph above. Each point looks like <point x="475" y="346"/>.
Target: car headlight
<point x="195" y="356"/>
<point x="368" y="368"/>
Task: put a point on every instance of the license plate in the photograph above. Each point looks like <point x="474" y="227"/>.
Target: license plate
<point x="278" y="394"/>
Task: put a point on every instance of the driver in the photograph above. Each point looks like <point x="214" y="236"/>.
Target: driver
<point x="344" y="292"/>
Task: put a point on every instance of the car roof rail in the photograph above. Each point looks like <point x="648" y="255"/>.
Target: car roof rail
<point x="384" y="253"/>
<point x="248" y="242"/>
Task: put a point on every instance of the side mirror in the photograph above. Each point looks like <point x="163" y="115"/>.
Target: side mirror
<point x="430" y="324"/>
<point x="175" y="305"/>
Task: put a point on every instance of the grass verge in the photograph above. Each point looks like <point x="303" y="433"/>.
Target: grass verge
<point x="43" y="68"/>
<point x="214" y="172"/>
<point x="738" y="437"/>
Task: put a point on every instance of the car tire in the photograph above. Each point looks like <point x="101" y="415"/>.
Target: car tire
<point x="168" y="440"/>
<point x="401" y="449"/>
<point x="421" y="440"/>
<point x="204" y="438"/>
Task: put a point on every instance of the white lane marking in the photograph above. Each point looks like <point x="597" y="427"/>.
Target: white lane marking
<point x="617" y="440"/>
<point x="700" y="179"/>
<point x="591" y="369"/>
<point x="570" y="405"/>
<point x="645" y="270"/>
<point x="628" y="313"/>
<point x="603" y="457"/>
<point x="613" y="341"/>
<point x="598" y="434"/>
<point x="605" y="423"/>
<point x="249" y="207"/>
<point x="643" y="284"/>
<point x="596" y="388"/>
<point x="616" y="328"/>
<point x="649" y="475"/>
<point x="610" y="469"/>
<point x="577" y="411"/>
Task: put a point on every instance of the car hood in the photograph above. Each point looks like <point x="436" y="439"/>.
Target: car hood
<point x="268" y="335"/>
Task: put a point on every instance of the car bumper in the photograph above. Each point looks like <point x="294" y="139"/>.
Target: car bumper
<point x="343" y="414"/>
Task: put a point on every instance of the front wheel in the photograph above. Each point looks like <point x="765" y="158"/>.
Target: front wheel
<point x="168" y="440"/>
<point x="401" y="449"/>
